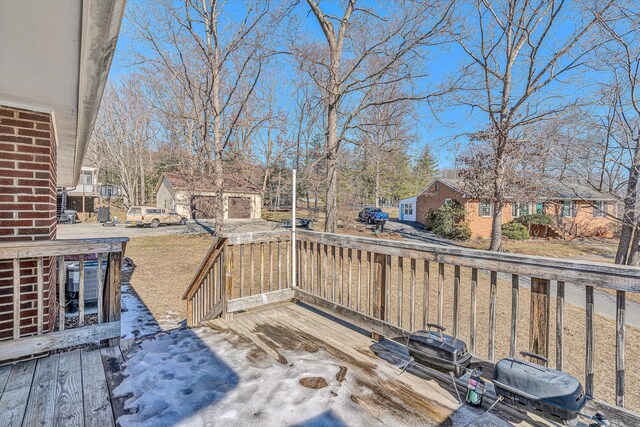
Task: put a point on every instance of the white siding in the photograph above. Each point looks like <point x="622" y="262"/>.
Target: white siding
<point x="164" y="198"/>
<point x="407" y="209"/>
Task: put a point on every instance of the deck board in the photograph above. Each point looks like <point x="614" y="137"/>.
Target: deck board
<point x="69" y="401"/>
<point x="289" y="330"/>
<point x="4" y="376"/>
<point x="41" y="405"/>
<point x="97" y="407"/>
<point x="13" y="401"/>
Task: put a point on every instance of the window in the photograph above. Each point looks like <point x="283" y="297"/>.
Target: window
<point x="539" y="208"/>
<point x="519" y="209"/>
<point x="568" y="208"/>
<point x="447" y="201"/>
<point x="435" y="186"/>
<point x="599" y="209"/>
<point x="410" y="205"/>
<point x="484" y="209"/>
<point x="86" y="178"/>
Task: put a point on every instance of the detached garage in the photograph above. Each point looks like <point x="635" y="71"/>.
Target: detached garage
<point x="407" y="209"/>
<point x="193" y="196"/>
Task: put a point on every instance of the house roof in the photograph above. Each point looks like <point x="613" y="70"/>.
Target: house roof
<point x="198" y="182"/>
<point x="553" y="189"/>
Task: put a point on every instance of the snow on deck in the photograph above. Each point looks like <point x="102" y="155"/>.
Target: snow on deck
<point x="247" y="371"/>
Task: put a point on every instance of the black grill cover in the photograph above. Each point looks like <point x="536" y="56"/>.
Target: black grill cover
<point x="440" y="351"/>
<point x="554" y="394"/>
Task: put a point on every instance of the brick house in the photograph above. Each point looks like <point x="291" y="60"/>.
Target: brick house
<point x="576" y="210"/>
<point x="55" y="58"/>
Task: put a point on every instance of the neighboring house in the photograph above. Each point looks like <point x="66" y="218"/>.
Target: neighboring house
<point x="193" y="196"/>
<point x="407" y="209"/>
<point x="55" y="58"/>
<point x="575" y="209"/>
<point x="83" y="197"/>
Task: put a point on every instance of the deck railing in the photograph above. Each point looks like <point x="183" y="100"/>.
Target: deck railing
<point x="38" y="271"/>
<point x="395" y="287"/>
<point x="222" y="286"/>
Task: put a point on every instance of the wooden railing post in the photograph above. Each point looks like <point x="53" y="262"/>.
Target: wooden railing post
<point x="111" y="300"/>
<point x="539" y="315"/>
<point x="620" y="323"/>
<point x="227" y="260"/>
<point x="379" y="286"/>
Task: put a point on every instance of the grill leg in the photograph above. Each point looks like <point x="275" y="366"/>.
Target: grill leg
<point x="455" y="387"/>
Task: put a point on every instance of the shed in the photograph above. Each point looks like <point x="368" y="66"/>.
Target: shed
<point x="193" y="196"/>
<point x="407" y="209"/>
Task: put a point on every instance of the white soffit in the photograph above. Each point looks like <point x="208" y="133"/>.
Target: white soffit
<point x="55" y="57"/>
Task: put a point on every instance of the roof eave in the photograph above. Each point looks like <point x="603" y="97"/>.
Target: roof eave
<point x="100" y="28"/>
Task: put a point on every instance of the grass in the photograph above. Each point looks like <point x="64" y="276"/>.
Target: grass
<point x="600" y="250"/>
<point x="165" y="266"/>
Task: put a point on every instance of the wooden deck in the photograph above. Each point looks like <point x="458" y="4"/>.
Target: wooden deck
<point x="65" y="389"/>
<point x="418" y="397"/>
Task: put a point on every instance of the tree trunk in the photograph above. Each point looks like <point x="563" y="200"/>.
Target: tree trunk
<point x="332" y="148"/>
<point x="634" y="254"/>
<point x="496" y="228"/>
<point x="628" y="217"/>
<point x="496" y="222"/>
<point x="376" y="192"/>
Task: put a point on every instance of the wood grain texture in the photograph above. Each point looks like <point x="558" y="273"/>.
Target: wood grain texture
<point x="515" y="313"/>
<point x="473" y="315"/>
<point x="425" y="295"/>
<point x="49" y="248"/>
<point x="456" y="300"/>
<point x="578" y="272"/>
<point x="37" y="344"/>
<point x="13" y="402"/>
<point x="620" y="327"/>
<point x="589" y="341"/>
<point x="539" y="316"/>
<point x="97" y="407"/>
<point x="69" y="401"/>
<point x="559" y="325"/>
<point x="41" y="406"/>
<point x="16" y="298"/>
<point x="493" y="294"/>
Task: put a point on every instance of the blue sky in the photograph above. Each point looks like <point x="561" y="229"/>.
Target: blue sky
<point x="439" y="132"/>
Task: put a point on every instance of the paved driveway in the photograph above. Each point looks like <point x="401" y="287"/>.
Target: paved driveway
<point x="94" y="231"/>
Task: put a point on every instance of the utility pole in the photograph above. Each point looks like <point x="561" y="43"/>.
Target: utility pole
<point x="293" y="233"/>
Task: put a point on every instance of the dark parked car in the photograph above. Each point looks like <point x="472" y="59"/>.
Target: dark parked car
<point x="373" y="216"/>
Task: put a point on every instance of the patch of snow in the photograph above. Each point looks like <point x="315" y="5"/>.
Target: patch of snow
<point x="198" y="377"/>
<point x="136" y="320"/>
<point x="201" y="377"/>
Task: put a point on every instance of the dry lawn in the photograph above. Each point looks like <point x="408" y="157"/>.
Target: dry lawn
<point x="164" y="267"/>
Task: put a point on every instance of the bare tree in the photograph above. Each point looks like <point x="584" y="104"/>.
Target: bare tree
<point x="365" y="49"/>
<point x="123" y="138"/>
<point x="212" y="62"/>
<point x="519" y="53"/>
<point x="622" y="56"/>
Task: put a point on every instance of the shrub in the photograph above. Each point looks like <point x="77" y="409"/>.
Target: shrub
<point x="535" y="219"/>
<point x="515" y="231"/>
<point x="461" y="231"/>
<point x="429" y="220"/>
<point x="448" y="222"/>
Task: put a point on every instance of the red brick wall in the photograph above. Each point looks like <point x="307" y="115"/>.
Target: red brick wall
<point x="432" y="199"/>
<point x="27" y="210"/>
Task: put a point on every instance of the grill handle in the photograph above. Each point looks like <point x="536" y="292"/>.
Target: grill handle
<point x="535" y="356"/>
<point x="440" y="328"/>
